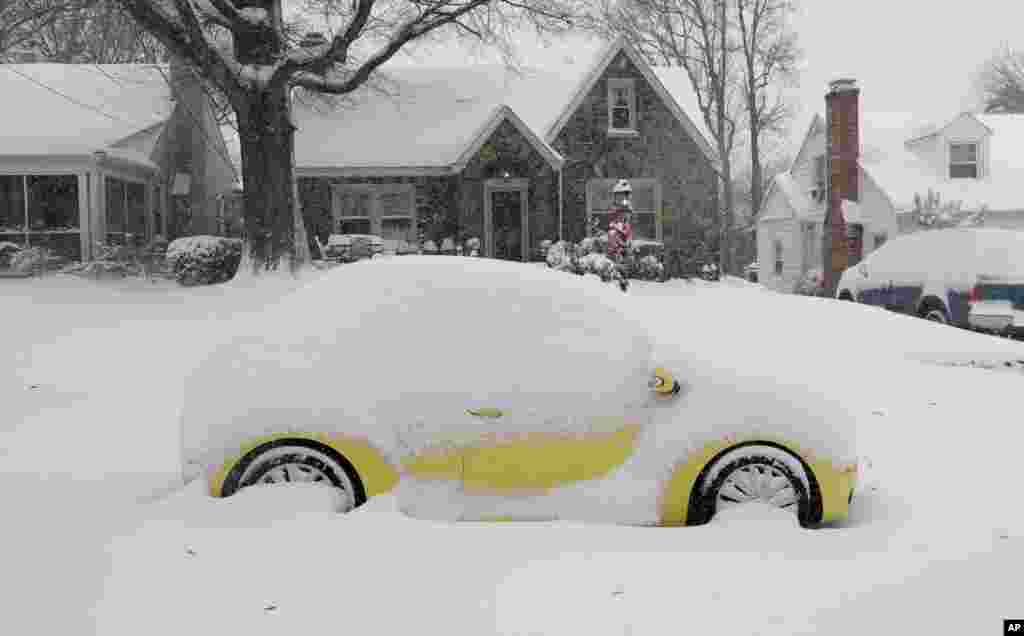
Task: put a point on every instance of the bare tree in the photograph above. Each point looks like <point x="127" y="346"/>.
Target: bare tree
<point x="1001" y="82"/>
<point x="96" y="32"/>
<point x="694" y="35"/>
<point x="769" y="54"/>
<point x="20" y="21"/>
<point x="245" y="50"/>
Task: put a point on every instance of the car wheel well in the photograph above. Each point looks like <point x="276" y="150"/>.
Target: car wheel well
<point x="701" y="508"/>
<point x="232" y="481"/>
<point x="931" y="303"/>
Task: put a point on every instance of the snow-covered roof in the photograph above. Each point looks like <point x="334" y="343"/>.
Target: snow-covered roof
<point x="902" y="174"/>
<point x="78" y="109"/>
<point x="803" y="205"/>
<point x="426" y="117"/>
<point x="422" y="117"/>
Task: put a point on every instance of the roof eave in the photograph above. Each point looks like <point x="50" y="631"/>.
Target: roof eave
<point x="374" y="171"/>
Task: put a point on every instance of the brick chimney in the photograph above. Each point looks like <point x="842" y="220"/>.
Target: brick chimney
<point x="842" y="248"/>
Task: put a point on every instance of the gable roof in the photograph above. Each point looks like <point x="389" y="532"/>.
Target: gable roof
<point x="816" y="121"/>
<point x="930" y="130"/>
<point x="503" y="113"/>
<point x="424" y="118"/>
<point x="902" y="174"/>
<point x="622" y="45"/>
<point x="78" y="109"/>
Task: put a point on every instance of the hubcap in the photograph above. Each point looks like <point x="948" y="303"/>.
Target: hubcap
<point x="936" y="316"/>
<point x="306" y="470"/>
<point x="294" y="472"/>
<point x="757" y="482"/>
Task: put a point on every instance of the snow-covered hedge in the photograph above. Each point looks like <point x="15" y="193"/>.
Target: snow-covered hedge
<point x="590" y="257"/>
<point x="204" y="260"/>
<point x="7" y="252"/>
<point x="810" y="284"/>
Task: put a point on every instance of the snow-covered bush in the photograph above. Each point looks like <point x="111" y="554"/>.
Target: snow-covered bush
<point x="7" y="252"/>
<point x="204" y="260"/>
<point x="560" y="256"/>
<point x="28" y="259"/>
<point x="810" y="284"/>
<point x="648" y="268"/>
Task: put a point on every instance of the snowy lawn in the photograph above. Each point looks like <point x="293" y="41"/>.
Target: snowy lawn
<point x="97" y="539"/>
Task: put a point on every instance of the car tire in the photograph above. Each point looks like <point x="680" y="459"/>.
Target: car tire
<point x="755" y="472"/>
<point x="845" y="295"/>
<point x="300" y="461"/>
<point x="936" y="315"/>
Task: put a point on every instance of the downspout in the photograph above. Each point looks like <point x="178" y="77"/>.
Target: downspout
<point x="561" y="195"/>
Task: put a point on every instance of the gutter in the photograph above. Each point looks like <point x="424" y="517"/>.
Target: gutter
<point x="561" y="197"/>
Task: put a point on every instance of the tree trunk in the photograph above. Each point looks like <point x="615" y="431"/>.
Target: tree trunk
<point x="728" y="218"/>
<point x="267" y="141"/>
<point x="756" y="170"/>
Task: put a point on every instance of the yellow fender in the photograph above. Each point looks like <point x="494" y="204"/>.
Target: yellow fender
<point x="836" y="483"/>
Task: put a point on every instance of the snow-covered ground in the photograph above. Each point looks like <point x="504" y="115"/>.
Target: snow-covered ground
<point x="97" y="539"/>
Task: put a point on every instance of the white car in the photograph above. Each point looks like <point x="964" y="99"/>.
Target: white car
<point x="944" y="276"/>
<point x="478" y="389"/>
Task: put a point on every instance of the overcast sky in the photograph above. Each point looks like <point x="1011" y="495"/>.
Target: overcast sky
<point x="909" y="56"/>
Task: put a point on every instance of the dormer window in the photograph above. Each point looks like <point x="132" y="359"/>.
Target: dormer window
<point x="621" y="105"/>
<point x="963" y="161"/>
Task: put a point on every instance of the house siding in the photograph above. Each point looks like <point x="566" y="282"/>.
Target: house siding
<point x="662" y="150"/>
<point x="786" y="231"/>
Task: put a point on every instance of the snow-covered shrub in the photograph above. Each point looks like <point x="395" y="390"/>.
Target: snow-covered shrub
<point x="559" y="256"/>
<point x="204" y="260"/>
<point x="812" y="283"/>
<point x="28" y="259"/>
<point x="110" y="261"/>
<point x="473" y="246"/>
<point x="648" y="268"/>
<point x="599" y="264"/>
<point x="7" y="252"/>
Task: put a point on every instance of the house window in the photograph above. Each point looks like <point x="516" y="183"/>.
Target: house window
<point x="963" y="161"/>
<point x="621" y="105"/>
<point x="387" y="211"/>
<point x="126" y="210"/>
<point x="820" y="178"/>
<point x="778" y="258"/>
<point x="880" y="240"/>
<point x="646" y="200"/>
<point x="41" y="210"/>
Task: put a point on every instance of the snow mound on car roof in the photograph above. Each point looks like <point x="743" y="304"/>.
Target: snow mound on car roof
<point x="375" y="346"/>
<point x="957" y="256"/>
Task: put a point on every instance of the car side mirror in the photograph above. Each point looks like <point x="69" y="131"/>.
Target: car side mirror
<point x="663" y="383"/>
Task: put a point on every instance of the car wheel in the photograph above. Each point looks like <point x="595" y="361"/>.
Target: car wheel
<point x="755" y="474"/>
<point x="297" y="461"/>
<point x="936" y="315"/>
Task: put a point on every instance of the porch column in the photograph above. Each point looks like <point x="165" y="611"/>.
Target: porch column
<point x="84" y="215"/>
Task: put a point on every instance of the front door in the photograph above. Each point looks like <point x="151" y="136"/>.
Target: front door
<point x="507" y="224"/>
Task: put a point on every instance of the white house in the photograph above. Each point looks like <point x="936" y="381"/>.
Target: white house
<point x="975" y="160"/>
<point x="789" y="229"/>
<point x="98" y="153"/>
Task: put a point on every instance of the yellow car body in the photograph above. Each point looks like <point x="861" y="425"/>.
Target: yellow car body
<point x="634" y="447"/>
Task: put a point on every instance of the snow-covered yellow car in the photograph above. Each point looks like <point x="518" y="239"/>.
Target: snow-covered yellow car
<point x="477" y="389"/>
